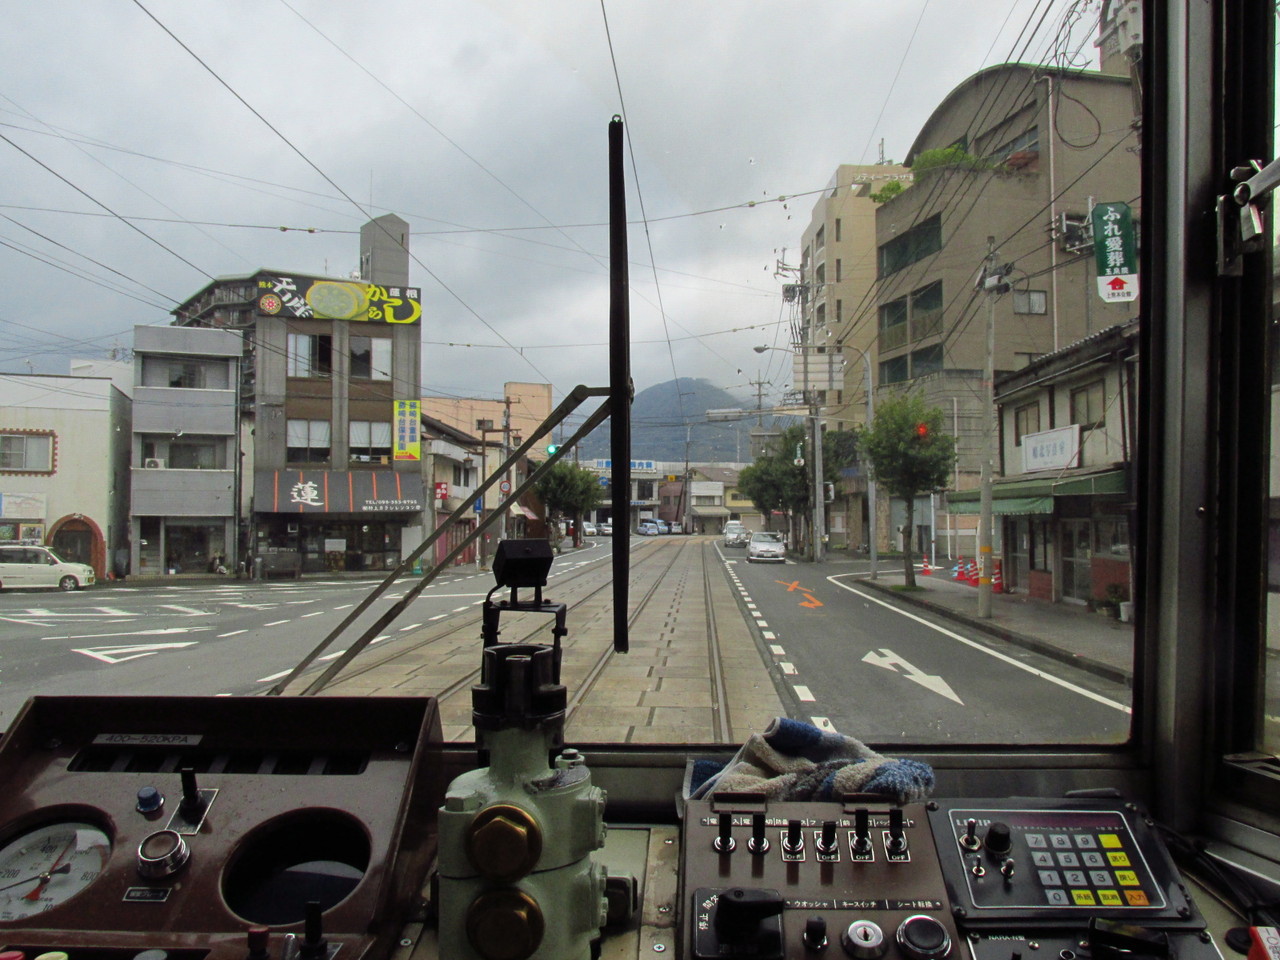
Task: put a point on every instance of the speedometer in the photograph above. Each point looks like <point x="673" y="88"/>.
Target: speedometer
<point x="48" y="866"/>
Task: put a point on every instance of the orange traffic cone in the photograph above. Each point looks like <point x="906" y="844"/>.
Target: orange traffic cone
<point x="997" y="580"/>
<point x="956" y="573"/>
<point x="971" y="573"/>
<point x="926" y="570"/>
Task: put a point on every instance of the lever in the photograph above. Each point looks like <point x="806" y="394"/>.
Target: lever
<point x="862" y="830"/>
<point x="192" y="805"/>
<point x="739" y="912"/>
<point x="970" y="839"/>
<point x="897" y="838"/>
<point x="793" y="842"/>
<point x="723" y="843"/>
<point x="1113" y="940"/>
<point x="259" y="938"/>
<point x="759" y="843"/>
<point x="314" y="945"/>
<point x="827" y="842"/>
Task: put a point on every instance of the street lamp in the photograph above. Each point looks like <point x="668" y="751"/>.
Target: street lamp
<point x="871" y="484"/>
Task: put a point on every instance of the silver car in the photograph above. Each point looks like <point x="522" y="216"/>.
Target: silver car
<point x="766" y="546"/>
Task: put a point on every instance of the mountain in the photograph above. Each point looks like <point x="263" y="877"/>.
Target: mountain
<point x="665" y="415"/>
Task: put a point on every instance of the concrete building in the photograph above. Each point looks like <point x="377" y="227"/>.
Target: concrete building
<point x="1020" y="154"/>
<point x="521" y="411"/>
<point x="64" y="467"/>
<point x="332" y="391"/>
<point x="185" y="453"/>
<point x="1064" y="500"/>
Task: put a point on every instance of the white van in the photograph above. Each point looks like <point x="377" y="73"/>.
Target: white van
<point x="41" y="567"/>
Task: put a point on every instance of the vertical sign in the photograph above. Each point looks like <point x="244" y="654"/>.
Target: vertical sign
<point x="408" y="423"/>
<point x="1115" y="246"/>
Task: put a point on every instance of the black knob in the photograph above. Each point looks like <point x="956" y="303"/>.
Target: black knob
<point x="739" y="912"/>
<point x="923" y="938"/>
<point x="794" y="841"/>
<point x="259" y="939"/>
<point x="897" y="838"/>
<point x="999" y="841"/>
<point x="827" y="843"/>
<point x="759" y="843"/>
<point x="314" y="945"/>
<point x="192" y="805"/>
<point x="862" y="830"/>
<point x="815" y="933"/>
<point x="724" y="839"/>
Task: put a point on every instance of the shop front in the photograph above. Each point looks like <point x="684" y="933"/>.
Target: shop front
<point x="336" y="521"/>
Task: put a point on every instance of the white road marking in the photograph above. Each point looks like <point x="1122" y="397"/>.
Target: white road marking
<point x="777" y="650"/>
<point x="231" y="634"/>
<point x="1065" y="684"/>
<point x="802" y="692"/>
<point x="332" y="656"/>
<point x="274" y="676"/>
<point x="275" y="623"/>
<point x="385" y="636"/>
<point x="412" y="626"/>
<point x="891" y="661"/>
<point x="159" y="632"/>
<point x="769" y="635"/>
<point x="345" y="606"/>
<point x="132" y="652"/>
<point x="438" y="616"/>
<point x="467" y="607"/>
<point x="789" y="669"/>
<point x="187" y="610"/>
<point x="314" y="613"/>
<point x="823" y="724"/>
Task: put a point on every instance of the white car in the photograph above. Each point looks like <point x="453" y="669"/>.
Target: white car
<point x="605" y="529"/>
<point x="588" y="528"/>
<point x="22" y="566"/>
<point x="766" y="545"/>
<point x="648" y="528"/>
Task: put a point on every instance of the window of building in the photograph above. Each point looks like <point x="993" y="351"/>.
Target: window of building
<point x="370" y="441"/>
<point x="920" y="241"/>
<point x="307" y="441"/>
<point x="461" y="475"/>
<point x="370" y="358"/>
<point x="185" y="372"/>
<point x="838" y="269"/>
<point x="1026" y="419"/>
<point x="310" y="355"/>
<point x="820" y="238"/>
<point x="820" y="274"/>
<point x="197" y="453"/>
<point x="1030" y="301"/>
<point x="839" y="311"/>
<point x="926" y="360"/>
<point x="1088" y="405"/>
<point x="1041" y="544"/>
<point x="837" y="229"/>
<point x="893" y="313"/>
<point x="1026" y="142"/>
<point x="895" y="370"/>
<point x="644" y="489"/>
<point x="28" y="452"/>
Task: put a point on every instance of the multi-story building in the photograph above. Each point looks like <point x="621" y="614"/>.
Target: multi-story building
<point x="522" y="410"/>
<point x="332" y="388"/>
<point x="1065" y="499"/>
<point x="64" y="467"/>
<point x="1006" y="172"/>
<point x="185" y="453"/>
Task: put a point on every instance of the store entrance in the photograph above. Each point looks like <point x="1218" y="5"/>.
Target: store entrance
<point x="331" y="546"/>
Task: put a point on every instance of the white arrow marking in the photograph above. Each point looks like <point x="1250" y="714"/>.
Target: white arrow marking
<point x="891" y="661"/>
<point x="189" y="611"/>
<point x="160" y="632"/>
<point x="121" y="654"/>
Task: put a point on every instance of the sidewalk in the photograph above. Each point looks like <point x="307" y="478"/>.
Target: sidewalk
<point x="1067" y="632"/>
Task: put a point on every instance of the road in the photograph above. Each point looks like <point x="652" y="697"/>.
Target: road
<point x="203" y="638"/>
<point x="864" y="665"/>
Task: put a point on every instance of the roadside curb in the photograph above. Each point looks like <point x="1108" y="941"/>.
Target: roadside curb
<point x="1035" y="644"/>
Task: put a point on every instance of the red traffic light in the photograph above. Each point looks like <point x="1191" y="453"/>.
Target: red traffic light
<point x="922" y="430"/>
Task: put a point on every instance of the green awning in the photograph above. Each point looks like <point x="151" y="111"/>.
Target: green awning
<point x="710" y="511"/>
<point x="1092" y="484"/>
<point x="1004" y="506"/>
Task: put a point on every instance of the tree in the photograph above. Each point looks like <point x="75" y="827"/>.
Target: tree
<point x="909" y="455"/>
<point x="567" y="488"/>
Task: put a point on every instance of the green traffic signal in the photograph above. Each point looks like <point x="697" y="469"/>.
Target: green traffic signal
<point x="552" y="449"/>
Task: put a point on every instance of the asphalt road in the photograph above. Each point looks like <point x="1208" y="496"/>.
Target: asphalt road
<point x="203" y="638"/>
<point x="855" y="662"/>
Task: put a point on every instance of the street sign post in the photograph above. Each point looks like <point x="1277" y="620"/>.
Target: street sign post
<point x="1115" y="248"/>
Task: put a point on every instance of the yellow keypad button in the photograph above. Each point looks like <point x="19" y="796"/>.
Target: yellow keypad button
<point x="1083" y="898"/>
<point x="1110" y="898"/>
<point x="1126" y="878"/>
<point x="1118" y="859"/>
<point x="1137" y="898"/>
<point x="1110" y="841"/>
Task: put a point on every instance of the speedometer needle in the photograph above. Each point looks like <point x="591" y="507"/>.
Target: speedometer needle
<point x="42" y="877"/>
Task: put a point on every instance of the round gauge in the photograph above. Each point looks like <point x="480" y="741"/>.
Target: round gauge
<point x="48" y="866"/>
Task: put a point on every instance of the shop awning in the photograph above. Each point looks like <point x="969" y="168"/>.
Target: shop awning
<point x="516" y="510"/>
<point x="711" y="511"/>
<point x="1035" y="496"/>
<point x="331" y="491"/>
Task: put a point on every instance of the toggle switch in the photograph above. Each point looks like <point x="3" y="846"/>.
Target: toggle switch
<point x="723" y="842"/>
<point x="793" y="842"/>
<point x="862" y="830"/>
<point x="192" y="805"/>
<point x="827" y="841"/>
<point x="759" y="843"/>
<point x="1006" y="869"/>
<point x="970" y="839"/>
<point x="897" y="836"/>
<point x="314" y="946"/>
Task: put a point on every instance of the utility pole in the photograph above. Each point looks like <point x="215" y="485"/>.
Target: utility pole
<point x="992" y="283"/>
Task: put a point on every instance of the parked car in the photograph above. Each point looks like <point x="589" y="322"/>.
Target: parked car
<point x="663" y="526"/>
<point x="766" y="546"/>
<point x="588" y="528"/>
<point x="648" y="528"/>
<point x="41" y="567"/>
<point x="735" y="534"/>
<point x="605" y="529"/>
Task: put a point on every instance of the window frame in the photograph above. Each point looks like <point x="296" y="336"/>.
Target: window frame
<point x="26" y="436"/>
<point x="312" y="427"/>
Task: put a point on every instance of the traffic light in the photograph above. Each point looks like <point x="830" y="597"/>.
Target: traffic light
<point x="829" y="493"/>
<point x="922" y="431"/>
<point x="552" y="449"/>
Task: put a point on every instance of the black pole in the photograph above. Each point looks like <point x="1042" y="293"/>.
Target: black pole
<point x="619" y="386"/>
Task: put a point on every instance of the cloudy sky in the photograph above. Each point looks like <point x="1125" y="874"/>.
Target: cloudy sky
<point x="150" y="145"/>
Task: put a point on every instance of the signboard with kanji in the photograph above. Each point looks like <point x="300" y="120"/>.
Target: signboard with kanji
<point x="1115" y="248"/>
<point x="408" y="420"/>
<point x="310" y="297"/>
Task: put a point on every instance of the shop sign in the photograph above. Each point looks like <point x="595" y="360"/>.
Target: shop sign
<point x="442" y="491"/>
<point x="1115" y="247"/>
<point x="307" y="298"/>
<point x="1055" y="449"/>
<point x="22" y="506"/>
<point x="408" y="421"/>
<point x="326" y="491"/>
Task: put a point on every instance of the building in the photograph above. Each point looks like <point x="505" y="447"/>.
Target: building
<point x="523" y="409"/>
<point x="332" y="392"/>
<point x="64" y="467"/>
<point x="454" y="472"/>
<point x="185" y="478"/>
<point x="1006" y="172"/>
<point x="1064" y="500"/>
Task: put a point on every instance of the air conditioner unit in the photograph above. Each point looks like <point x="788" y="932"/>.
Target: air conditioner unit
<point x="153" y="463"/>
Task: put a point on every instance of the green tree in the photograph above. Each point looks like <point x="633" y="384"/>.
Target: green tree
<point x="909" y="456"/>
<point x="888" y="191"/>
<point x="568" y="489"/>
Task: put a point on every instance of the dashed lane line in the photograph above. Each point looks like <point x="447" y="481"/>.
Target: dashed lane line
<point x="275" y="623"/>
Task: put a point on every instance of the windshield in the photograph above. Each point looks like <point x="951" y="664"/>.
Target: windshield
<point x="293" y="294"/>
